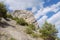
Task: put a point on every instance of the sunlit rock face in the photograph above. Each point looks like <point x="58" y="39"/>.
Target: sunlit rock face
<point x="27" y="15"/>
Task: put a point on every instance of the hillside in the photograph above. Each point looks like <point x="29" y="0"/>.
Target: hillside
<point x="9" y="30"/>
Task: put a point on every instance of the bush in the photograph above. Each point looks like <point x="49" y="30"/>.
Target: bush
<point x="12" y="39"/>
<point x="48" y="31"/>
<point x="28" y="30"/>
<point x="32" y="26"/>
<point x="20" y="21"/>
<point x="15" y="18"/>
<point x="31" y="32"/>
<point x="35" y="35"/>
<point x="9" y="16"/>
<point x="3" y="10"/>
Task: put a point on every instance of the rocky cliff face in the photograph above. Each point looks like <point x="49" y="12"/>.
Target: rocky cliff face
<point x="27" y="15"/>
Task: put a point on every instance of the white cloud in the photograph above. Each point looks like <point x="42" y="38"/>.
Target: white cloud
<point x="34" y="9"/>
<point x="54" y="18"/>
<point x="1" y="0"/>
<point x="42" y="20"/>
<point x="43" y="11"/>
<point x="57" y="24"/>
<point x="23" y="4"/>
<point x="58" y="27"/>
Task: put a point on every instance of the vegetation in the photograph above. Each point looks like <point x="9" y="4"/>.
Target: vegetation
<point x="3" y="11"/>
<point x="29" y="30"/>
<point x="12" y="39"/>
<point x="48" y="31"/>
<point x="20" y="21"/>
<point x="9" y="16"/>
<point x="32" y="26"/>
<point x="35" y="35"/>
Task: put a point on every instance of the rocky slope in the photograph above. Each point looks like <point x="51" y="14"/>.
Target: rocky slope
<point x="9" y="30"/>
<point x="12" y="30"/>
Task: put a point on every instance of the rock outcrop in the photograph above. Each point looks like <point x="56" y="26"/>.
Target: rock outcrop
<point x="27" y="15"/>
<point x="13" y="30"/>
<point x="9" y="29"/>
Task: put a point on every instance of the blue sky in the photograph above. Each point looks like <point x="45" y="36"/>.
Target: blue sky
<point x="42" y="9"/>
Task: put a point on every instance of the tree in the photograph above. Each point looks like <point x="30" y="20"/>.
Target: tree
<point x="3" y="11"/>
<point x="48" y="31"/>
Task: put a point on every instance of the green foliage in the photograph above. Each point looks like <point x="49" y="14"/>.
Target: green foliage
<point x="48" y="31"/>
<point x="20" y="21"/>
<point x="35" y="35"/>
<point x="9" y="16"/>
<point x="29" y="30"/>
<point x="3" y="10"/>
<point x="31" y="26"/>
<point x="12" y="39"/>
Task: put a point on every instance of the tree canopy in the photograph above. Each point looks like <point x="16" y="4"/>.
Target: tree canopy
<point x="3" y="10"/>
<point x="48" y="31"/>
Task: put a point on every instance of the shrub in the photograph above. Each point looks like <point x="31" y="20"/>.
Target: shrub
<point x="3" y="10"/>
<point x="20" y="21"/>
<point x="35" y="35"/>
<point x="32" y="26"/>
<point x="15" y="18"/>
<point x="9" y="16"/>
<point x="48" y="31"/>
<point x="28" y="30"/>
<point x="12" y="39"/>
